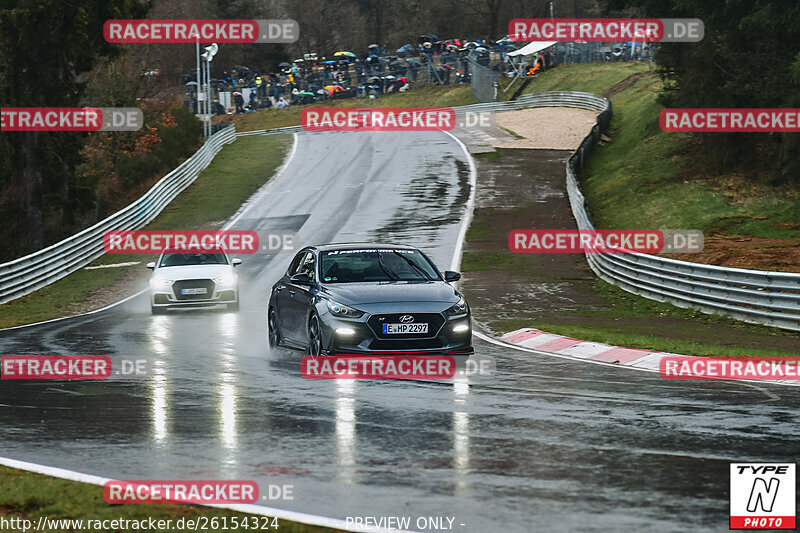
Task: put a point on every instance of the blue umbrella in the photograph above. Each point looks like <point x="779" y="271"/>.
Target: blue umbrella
<point x="329" y="62"/>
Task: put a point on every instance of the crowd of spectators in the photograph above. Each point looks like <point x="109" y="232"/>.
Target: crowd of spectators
<point x="371" y="73"/>
<point x="375" y="71"/>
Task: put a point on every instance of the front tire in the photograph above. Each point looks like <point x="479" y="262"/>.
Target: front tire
<point x="273" y="332"/>
<point x="314" y="336"/>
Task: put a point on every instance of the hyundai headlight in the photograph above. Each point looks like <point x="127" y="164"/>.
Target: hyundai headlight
<point x="343" y="311"/>
<point x="458" y="309"/>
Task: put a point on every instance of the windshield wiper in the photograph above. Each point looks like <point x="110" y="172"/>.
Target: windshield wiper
<point x="413" y="265"/>
<point x="389" y="272"/>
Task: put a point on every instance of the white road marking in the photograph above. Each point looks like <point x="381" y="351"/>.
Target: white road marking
<point x="473" y="183"/>
<point x="272" y="512"/>
<point x="114" y="265"/>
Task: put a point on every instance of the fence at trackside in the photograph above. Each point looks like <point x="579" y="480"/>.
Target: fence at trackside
<point x="482" y="81"/>
<point x="34" y="271"/>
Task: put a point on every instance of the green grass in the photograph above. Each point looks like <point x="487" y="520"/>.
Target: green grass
<point x="589" y="77"/>
<point x="607" y="335"/>
<point x="30" y="496"/>
<point x="646" y="167"/>
<point x="234" y="174"/>
<point x="435" y="96"/>
<point x="641" y="167"/>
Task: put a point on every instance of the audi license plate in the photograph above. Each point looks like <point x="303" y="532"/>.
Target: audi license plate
<point x="405" y="328"/>
<point x="198" y="290"/>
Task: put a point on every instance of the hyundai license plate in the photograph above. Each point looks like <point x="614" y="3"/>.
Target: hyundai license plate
<point x="391" y="329"/>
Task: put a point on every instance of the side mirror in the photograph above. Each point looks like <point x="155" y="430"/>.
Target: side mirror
<point x="151" y="265"/>
<point x="236" y="261"/>
<point x="301" y="279"/>
<point x="449" y="275"/>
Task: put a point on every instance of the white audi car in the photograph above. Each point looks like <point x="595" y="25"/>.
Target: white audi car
<point x="183" y="279"/>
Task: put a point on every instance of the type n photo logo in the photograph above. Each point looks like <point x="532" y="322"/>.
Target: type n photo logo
<point x="762" y="496"/>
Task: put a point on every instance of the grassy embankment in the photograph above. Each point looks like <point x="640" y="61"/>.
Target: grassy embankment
<point x="29" y="496"/>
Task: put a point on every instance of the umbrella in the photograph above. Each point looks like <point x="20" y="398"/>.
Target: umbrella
<point x="305" y="93"/>
<point x="346" y="54"/>
<point x="329" y="62"/>
<point x="480" y="49"/>
<point x="333" y="88"/>
<point x="372" y="46"/>
<point x="390" y="78"/>
<point x="237" y="93"/>
<point x="405" y="48"/>
<point x="192" y="83"/>
<point x="373" y="56"/>
<point x="344" y="61"/>
<point x="373" y="79"/>
<point x="284" y="64"/>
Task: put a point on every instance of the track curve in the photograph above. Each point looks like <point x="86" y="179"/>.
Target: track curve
<point x="547" y="444"/>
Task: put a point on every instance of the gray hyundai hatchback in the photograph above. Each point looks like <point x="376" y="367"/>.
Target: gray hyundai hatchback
<point x="368" y="298"/>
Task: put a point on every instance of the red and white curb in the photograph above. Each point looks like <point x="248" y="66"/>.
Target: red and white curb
<point x="593" y="351"/>
<point x="597" y="352"/>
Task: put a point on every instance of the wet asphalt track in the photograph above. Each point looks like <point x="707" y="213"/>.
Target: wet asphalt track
<point x="545" y="445"/>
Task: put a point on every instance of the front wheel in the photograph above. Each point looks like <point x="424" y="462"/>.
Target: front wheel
<point x="314" y="336"/>
<point x="272" y="327"/>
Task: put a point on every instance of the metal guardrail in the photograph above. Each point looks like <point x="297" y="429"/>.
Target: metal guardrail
<point x="770" y="298"/>
<point x="551" y="99"/>
<point x="34" y="271"/>
<point x="762" y="297"/>
<point x="757" y="296"/>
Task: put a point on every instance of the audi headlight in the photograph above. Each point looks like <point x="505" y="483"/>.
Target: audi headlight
<point x="225" y="279"/>
<point x="458" y="309"/>
<point x="161" y="282"/>
<point x="342" y="310"/>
